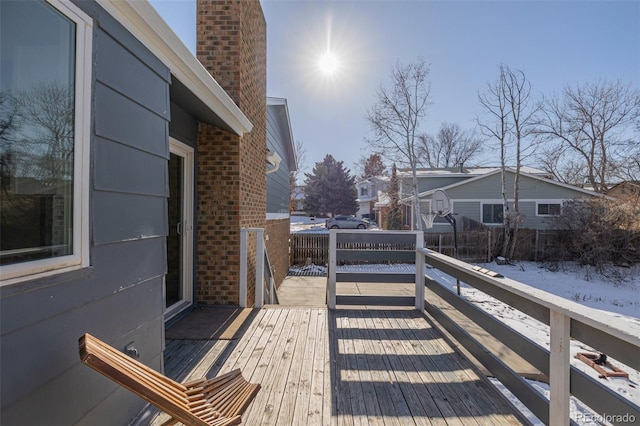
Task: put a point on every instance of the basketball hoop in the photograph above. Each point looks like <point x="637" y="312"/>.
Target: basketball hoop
<point x="440" y="203"/>
<point x="428" y="219"/>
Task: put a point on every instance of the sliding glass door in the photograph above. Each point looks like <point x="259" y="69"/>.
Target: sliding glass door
<point x="179" y="279"/>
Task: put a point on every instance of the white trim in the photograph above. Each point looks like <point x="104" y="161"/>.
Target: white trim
<point x="18" y="272"/>
<point x="187" y="154"/>
<point x="492" y="203"/>
<point x="559" y="202"/>
<point x="142" y="20"/>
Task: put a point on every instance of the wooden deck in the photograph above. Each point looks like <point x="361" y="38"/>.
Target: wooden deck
<point x="346" y="367"/>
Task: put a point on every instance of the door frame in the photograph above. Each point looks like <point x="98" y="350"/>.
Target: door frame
<point x="188" y="190"/>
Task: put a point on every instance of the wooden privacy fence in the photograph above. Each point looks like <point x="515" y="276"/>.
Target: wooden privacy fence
<point x="304" y="246"/>
<point x="473" y="246"/>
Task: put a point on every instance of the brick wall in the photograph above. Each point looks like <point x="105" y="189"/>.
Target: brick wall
<point x="278" y="247"/>
<point x="231" y="44"/>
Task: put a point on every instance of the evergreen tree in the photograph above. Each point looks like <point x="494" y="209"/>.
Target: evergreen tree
<point x="394" y="217"/>
<point x="330" y="188"/>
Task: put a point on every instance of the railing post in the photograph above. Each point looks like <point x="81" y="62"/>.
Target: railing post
<point x="419" y="272"/>
<point x="259" y="268"/>
<point x="243" y="269"/>
<point x="331" y="276"/>
<point x="272" y="298"/>
<point x="559" y="364"/>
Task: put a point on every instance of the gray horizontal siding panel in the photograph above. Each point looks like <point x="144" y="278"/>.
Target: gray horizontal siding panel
<point x="470" y="209"/>
<point x="278" y="190"/>
<point x="278" y="181"/>
<point x="119" y="119"/>
<point x="103" y="401"/>
<point x="121" y="168"/>
<point x="427" y="184"/>
<point x="22" y="308"/>
<point x="57" y="338"/>
<point x="127" y="74"/>
<point x="122" y="217"/>
<point x="119" y="408"/>
<point x="105" y="22"/>
<point x="491" y="188"/>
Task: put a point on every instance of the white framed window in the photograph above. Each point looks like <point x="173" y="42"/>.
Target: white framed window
<point x="45" y="99"/>
<point x="492" y="214"/>
<point x="552" y="208"/>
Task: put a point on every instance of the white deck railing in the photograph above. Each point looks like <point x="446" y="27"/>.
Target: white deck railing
<point x="566" y="319"/>
<point x="263" y="272"/>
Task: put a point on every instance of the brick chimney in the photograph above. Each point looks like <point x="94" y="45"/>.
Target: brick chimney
<point x="231" y="179"/>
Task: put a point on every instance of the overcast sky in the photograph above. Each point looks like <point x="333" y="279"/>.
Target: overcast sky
<point x="556" y="43"/>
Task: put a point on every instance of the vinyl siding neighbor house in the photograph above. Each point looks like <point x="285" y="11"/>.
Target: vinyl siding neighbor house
<point x="131" y="190"/>
<point x="281" y="151"/>
<point x="477" y="197"/>
<point x="368" y="193"/>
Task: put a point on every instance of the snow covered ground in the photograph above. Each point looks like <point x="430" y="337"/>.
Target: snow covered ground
<point x="620" y="301"/>
<point x="308" y="224"/>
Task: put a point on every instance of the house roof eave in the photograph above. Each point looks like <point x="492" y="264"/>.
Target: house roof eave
<point x="142" y="20"/>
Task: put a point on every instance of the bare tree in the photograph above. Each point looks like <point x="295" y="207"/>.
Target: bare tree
<point x="294" y="175"/>
<point x="395" y="119"/>
<point x="589" y="130"/>
<point x="451" y="147"/>
<point x="371" y="166"/>
<point x="511" y="119"/>
<point x="497" y="126"/>
<point x="523" y="109"/>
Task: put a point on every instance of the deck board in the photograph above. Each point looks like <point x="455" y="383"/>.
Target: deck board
<point x="346" y="367"/>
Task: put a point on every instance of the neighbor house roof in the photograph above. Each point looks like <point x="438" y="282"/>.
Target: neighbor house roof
<point x="198" y="91"/>
<point x="467" y="172"/>
<point x="497" y="171"/>
<point x="284" y="122"/>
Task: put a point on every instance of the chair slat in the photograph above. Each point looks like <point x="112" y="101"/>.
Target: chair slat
<point x="215" y="402"/>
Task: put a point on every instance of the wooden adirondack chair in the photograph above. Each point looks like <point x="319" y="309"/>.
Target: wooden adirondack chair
<point x="218" y="401"/>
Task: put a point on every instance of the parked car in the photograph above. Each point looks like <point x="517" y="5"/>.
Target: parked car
<point x="346" y="222"/>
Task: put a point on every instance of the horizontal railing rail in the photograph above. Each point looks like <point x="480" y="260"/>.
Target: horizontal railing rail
<point x="566" y="319"/>
<point x="349" y="248"/>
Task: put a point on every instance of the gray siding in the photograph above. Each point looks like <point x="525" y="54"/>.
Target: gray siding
<point x="529" y="188"/>
<point x="119" y="298"/>
<point x="427" y="184"/>
<point x="468" y="198"/>
<point x="278" y="181"/>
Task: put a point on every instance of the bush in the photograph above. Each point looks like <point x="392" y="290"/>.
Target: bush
<point x="601" y="232"/>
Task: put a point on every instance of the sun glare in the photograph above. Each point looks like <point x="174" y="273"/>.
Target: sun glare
<point x="328" y="63"/>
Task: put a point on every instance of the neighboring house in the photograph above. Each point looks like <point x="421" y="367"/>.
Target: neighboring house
<point x="368" y="190"/>
<point x="140" y="178"/>
<point x="297" y="200"/>
<point x="476" y="199"/>
<point x="281" y="148"/>
<point x="623" y="189"/>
